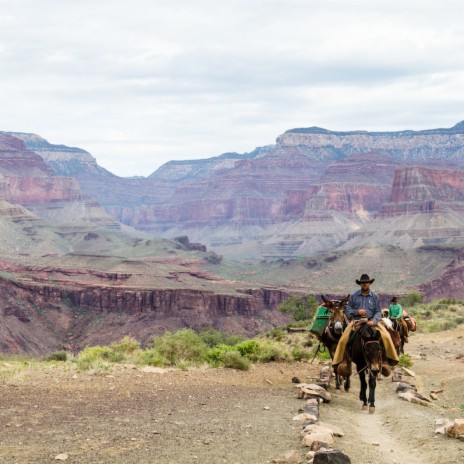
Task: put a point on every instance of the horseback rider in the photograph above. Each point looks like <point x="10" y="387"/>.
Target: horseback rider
<point x="364" y="305"/>
<point x="395" y="311"/>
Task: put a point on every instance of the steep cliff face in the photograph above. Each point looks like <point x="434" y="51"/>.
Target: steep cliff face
<point x="412" y="146"/>
<point x="16" y="160"/>
<point x="26" y="190"/>
<point x="449" y="283"/>
<point x="421" y="190"/>
<point x="425" y="207"/>
<point x="39" y="318"/>
<point x="312" y="190"/>
<point x="27" y="180"/>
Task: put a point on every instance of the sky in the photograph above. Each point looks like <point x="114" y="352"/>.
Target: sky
<point x="139" y="83"/>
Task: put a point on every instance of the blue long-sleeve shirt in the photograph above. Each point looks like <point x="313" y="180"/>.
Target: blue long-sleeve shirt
<point x="370" y="303"/>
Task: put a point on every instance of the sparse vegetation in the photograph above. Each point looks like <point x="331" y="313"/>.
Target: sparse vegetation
<point x="411" y="299"/>
<point x="208" y="346"/>
<point x="405" y="361"/>
<point x="439" y="315"/>
<point x="57" y="356"/>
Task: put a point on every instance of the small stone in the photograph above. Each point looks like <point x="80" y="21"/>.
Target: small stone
<point x="292" y="457"/>
<point x="375" y="443"/>
<point x="409" y="372"/>
<point x="61" y="457"/>
<point x="266" y="408"/>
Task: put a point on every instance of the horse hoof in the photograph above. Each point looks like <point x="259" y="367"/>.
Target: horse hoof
<point x="364" y="407"/>
<point x="371" y="409"/>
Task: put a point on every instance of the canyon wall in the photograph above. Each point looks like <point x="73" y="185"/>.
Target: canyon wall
<point x="39" y="318"/>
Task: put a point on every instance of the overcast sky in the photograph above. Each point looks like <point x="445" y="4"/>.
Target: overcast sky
<point x="138" y="83"/>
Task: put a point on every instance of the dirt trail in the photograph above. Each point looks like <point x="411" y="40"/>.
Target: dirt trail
<point x="215" y="416"/>
<point x="400" y="432"/>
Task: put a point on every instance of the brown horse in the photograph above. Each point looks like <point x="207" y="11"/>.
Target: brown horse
<point x="366" y="352"/>
<point x="333" y="330"/>
<point x="402" y="334"/>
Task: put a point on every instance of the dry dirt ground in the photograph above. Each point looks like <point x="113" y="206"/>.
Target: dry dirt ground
<point x="222" y="416"/>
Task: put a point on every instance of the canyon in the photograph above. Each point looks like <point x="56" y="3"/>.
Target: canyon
<point x="89" y="257"/>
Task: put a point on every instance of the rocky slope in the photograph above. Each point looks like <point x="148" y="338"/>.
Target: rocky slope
<point x="310" y="192"/>
<point x="341" y="203"/>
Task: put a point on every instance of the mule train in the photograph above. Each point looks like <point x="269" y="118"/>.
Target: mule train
<point x="365" y="348"/>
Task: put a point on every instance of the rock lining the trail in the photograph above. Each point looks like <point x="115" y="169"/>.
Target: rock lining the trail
<point x="317" y="435"/>
<point x="406" y="390"/>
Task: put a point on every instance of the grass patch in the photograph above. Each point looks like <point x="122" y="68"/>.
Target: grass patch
<point x="405" y="361"/>
<point x="439" y="315"/>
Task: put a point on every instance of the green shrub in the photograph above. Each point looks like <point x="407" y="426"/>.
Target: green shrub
<point x="127" y="345"/>
<point x="234" y="360"/>
<point x="151" y="357"/>
<point x="212" y="337"/>
<point x="323" y="355"/>
<point x="98" y="355"/>
<point x="277" y="334"/>
<point x="248" y="348"/>
<point x="405" y="361"/>
<point x="182" y="346"/>
<point x="57" y="356"/>
<point x="271" y="351"/>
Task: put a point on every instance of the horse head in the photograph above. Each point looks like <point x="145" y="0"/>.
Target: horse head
<point x="336" y="307"/>
<point x="372" y="348"/>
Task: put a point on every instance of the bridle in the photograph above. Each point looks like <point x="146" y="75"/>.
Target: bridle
<point x="363" y="347"/>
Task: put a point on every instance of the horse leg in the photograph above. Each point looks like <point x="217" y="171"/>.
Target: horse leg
<point x="372" y="385"/>
<point x="337" y="381"/>
<point x="347" y="383"/>
<point x="362" y="391"/>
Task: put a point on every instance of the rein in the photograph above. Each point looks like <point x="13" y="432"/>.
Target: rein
<point x="365" y="359"/>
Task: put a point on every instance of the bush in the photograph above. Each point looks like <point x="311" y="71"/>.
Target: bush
<point x="270" y="351"/>
<point x="248" y="348"/>
<point x="182" y="346"/>
<point x="127" y="345"/>
<point x="151" y="357"/>
<point x="234" y="360"/>
<point x="215" y="354"/>
<point x="213" y="337"/>
<point x="405" y="361"/>
<point x="57" y="356"/>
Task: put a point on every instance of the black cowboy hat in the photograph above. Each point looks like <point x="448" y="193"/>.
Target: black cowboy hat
<point x="364" y="280"/>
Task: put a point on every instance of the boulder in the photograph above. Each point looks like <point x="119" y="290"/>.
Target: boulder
<point x="322" y="437"/>
<point x="456" y="429"/>
<point x="323" y="427"/>
<point x="306" y="393"/>
<point x="331" y="457"/>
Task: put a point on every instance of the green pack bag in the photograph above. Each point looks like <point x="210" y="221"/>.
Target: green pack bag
<point x="320" y="321"/>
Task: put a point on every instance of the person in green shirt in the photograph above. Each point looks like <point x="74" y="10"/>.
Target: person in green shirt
<point x="395" y="311"/>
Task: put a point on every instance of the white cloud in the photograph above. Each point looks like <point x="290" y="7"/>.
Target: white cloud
<point x="140" y="83"/>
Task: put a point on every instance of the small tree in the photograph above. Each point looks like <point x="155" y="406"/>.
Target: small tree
<point x="302" y="309"/>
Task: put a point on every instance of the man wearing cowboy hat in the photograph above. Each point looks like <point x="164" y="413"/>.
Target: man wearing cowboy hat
<point x="365" y="304"/>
